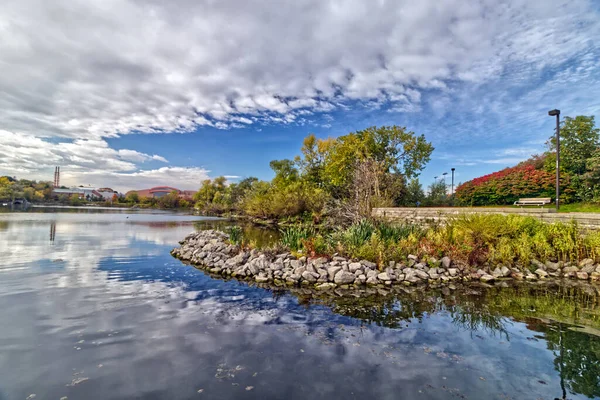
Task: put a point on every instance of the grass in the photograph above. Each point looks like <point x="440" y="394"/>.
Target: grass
<point x="293" y="237"/>
<point x="476" y="239"/>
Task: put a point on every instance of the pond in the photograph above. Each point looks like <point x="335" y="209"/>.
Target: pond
<point x="94" y="307"/>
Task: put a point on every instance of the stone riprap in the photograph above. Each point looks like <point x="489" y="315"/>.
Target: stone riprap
<point x="211" y="250"/>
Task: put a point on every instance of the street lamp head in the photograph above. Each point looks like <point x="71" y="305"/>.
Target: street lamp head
<point x="452" y="169"/>
<point x="445" y="173"/>
<point x="554" y="113"/>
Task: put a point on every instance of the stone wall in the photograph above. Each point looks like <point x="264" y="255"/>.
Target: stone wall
<point x="210" y="250"/>
<point x="429" y="214"/>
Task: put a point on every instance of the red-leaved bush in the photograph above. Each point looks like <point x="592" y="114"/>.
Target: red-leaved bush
<point x="507" y="186"/>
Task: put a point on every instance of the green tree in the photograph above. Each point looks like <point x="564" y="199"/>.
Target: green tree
<point x="132" y="197"/>
<point x="393" y="148"/>
<point x="438" y="194"/>
<point x="286" y="172"/>
<point x="414" y="193"/>
<point x="74" y="200"/>
<point x="579" y="139"/>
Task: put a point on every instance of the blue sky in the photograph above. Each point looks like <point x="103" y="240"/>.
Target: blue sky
<point x="132" y="94"/>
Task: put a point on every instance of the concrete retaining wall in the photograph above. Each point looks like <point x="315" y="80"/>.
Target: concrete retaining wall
<point x="431" y="214"/>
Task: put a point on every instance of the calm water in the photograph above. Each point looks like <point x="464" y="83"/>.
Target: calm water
<point x="92" y="306"/>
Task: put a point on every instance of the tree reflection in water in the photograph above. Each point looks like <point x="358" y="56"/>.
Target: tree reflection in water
<point x="567" y="316"/>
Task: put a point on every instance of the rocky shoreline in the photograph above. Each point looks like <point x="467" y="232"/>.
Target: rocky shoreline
<point x="210" y="250"/>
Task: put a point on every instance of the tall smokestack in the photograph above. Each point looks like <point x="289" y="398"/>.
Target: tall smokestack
<point x="56" y="177"/>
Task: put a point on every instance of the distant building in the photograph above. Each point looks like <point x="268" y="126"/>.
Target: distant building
<point x="86" y="193"/>
<point x="160" y="191"/>
<point x="107" y="193"/>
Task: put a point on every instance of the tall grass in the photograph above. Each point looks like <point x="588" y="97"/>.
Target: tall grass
<point x="236" y="235"/>
<point x="474" y="239"/>
<point x="294" y="236"/>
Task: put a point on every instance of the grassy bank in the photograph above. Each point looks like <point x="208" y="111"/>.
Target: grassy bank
<point x="468" y="239"/>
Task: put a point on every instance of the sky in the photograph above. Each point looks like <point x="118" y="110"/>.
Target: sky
<point x="131" y="94"/>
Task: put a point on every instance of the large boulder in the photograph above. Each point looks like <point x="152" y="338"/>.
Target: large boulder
<point x="332" y="271"/>
<point x="344" y="278"/>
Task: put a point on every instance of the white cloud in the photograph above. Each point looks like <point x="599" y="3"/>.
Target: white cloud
<point x="84" y="71"/>
<point x="89" y="162"/>
<point x="184" y="178"/>
<point x="71" y="67"/>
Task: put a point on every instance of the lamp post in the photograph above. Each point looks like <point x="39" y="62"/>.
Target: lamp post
<point x="452" y="169"/>
<point x="556" y="113"/>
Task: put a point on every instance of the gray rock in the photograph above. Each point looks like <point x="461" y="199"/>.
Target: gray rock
<point x="570" y="269"/>
<point x="497" y="273"/>
<point x="505" y="271"/>
<point x="344" y="277"/>
<point x="453" y="271"/>
<point x="486" y="278"/>
<point x="598" y="268"/>
<point x="353" y="267"/>
<point x="585" y="262"/>
<point x="372" y="281"/>
<point x="582" y="275"/>
<point x="537" y="264"/>
<point x="421" y="274"/>
<point x="552" y="266"/>
<point x="368" y="264"/>
<point x="295" y="264"/>
<point x="412" y="277"/>
<point x="413" y="257"/>
<point x="446" y="262"/>
<point x="541" y="273"/>
<point x="384" y="277"/>
<point x="361" y="278"/>
<point x="331" y="271"/>
<point x="530" y="277"/>
<point x="261" y="279"/>
<point x="372" y="274"/>
<point x="595" y="276"/>
<point x="588" y="268"/>
<point x="310" y="276"/>
<point x="319" y="261"/>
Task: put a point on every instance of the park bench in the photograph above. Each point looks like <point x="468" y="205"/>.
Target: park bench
<point x="533" y="201"/>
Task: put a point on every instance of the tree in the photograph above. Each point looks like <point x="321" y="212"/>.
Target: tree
<point x="132" y="197"/>
<point x="579" y="139"/>
<point x="393" y="149"/>
<point x="414" y="193"/>
<point x="74" y="200"/>
<point x="438" y="194"/>
<point x="285" y="172"/>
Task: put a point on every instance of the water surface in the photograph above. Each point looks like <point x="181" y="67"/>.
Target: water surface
<point x="93" y="307"/>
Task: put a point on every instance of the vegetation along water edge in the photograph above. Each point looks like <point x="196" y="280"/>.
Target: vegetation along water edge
<point x="486" y="248"/>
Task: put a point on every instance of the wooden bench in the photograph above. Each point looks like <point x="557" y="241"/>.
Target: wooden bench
<point x="533" y="201"/>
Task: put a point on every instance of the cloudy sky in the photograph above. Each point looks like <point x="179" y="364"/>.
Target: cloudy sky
<point x="134" y="93"/>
